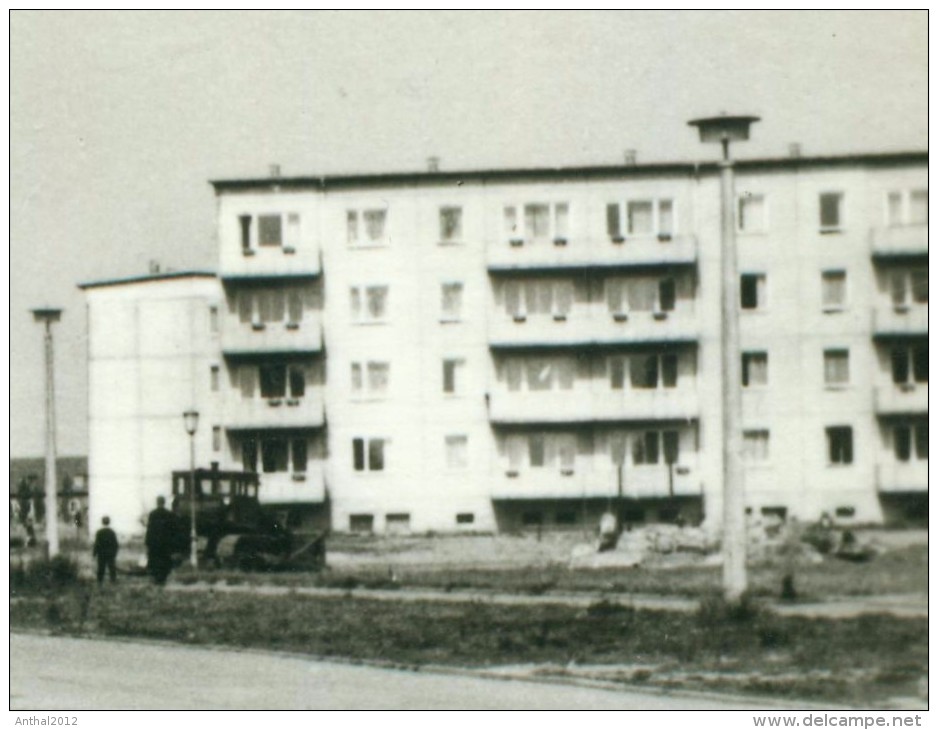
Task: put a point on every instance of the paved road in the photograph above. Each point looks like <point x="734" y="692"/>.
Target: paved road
<point x="56" y="673"/>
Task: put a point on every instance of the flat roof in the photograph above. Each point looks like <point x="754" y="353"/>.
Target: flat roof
<point x="324" y="182"/>
<point x="148" y="278"/>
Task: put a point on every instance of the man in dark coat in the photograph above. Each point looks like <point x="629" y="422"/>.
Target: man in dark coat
<point x="160" y="540"/>
<point x="105" y="550"/>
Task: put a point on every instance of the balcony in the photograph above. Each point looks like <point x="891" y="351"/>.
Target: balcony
<point x="586" y="253"/>
<point x="245" y="414"/>
<point x="600" y="481"/>
<point x="902" y="320"/>
<point x="284" y="487"/>
<point x="269" y="262"/>
<point x="585" y="326"/>
<point x="897" y="400"/>
<point x="582" y="405"/>
<point x="899" y="241"/>
<point x="239" y="338"/>
<point x="898" y="476"/>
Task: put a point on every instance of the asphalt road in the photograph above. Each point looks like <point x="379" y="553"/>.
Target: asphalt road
<point x="56" y="673"/>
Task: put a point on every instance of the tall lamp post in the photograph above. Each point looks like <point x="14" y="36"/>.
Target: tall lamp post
<point x="191" y="420"/>
<point x="47" y="316"/>
<point x="725" y="129"/>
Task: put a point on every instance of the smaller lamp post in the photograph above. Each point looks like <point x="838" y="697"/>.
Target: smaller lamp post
<point x="47" y="316"/>
<point x="191" y="420"/>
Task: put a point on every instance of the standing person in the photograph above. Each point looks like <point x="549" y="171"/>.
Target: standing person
<point x="105" y="550"/>
<point x="160" y="540"/>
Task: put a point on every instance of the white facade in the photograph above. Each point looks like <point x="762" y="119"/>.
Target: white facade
<point x="483" y="351"/>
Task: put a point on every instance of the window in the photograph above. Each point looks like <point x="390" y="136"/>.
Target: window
<point x="670" y="443"/>
<point x="299" y="454"/>
<point x="216" y="438"/>
<point x="909" y="364"/>
<point x="666" y="295"/>
<point x="397" y="523"/>
<point x="908" y="287"/>
<point x="452" y="301"/>
<point x="292" y="239"/>
<point x="274" y="455"/>
<point x="645" y="448"/>
<point x="450" y="225"/>
<point x="215" y="378"/>
<point x="536" y="451"/>
<point x="451" y="376"/>
<point x="294" y="307"/>
<point x="544" y="297"/>
<point x="752" y="291"/>
<point x="269" y="230"/>
<point x="370" y="378"/>
<point x="831" y="210"/>
<point x="755" y="369"/>
<point x="249" y="455"/>
<point x="617" y="373"/>
<point x="752" y="214"/>
<point x="642" y="218"/>
<point x="907" y="207"/>
<point x="833" y="290"/>
<point x="756" y="445"/>
<point x="840" y="445"/>
<point x="836" y="367"/>
<point x="366" y="228"/>
<point x="245" y="223"/>
<point x="646" y="371"/>
<point x="457" y="452"/>
<point x="373" y="449"/>
<point x="297" y="377"/>
<point x="465" y="518"/>
<point x="273" y="380"/>
<point x="361" y="523"/>
<point x="378" y="377"/>
<point x="369" y="304"/>
<point x="542" y="222"/>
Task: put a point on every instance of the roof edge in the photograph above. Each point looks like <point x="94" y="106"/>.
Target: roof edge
<point x="148" y="278"/>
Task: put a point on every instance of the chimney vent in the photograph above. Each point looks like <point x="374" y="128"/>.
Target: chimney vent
<point x="794" y="149"/>
<point x="433" y="164"/>
<point x="631" y="157"/>
<point x="275" y="170"/>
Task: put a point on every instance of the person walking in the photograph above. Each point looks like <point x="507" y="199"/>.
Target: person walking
<point x="105" y="550"/>
<point x="160" y="541"/>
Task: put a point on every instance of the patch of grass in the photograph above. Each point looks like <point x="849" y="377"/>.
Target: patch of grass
<point x="717" y="639"/>
<point x="43" y="575"/>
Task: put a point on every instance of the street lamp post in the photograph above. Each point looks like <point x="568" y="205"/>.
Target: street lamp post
<point x="47" y="316"/>
<point x="191" y="420"/>
<point x="724" y="129"/>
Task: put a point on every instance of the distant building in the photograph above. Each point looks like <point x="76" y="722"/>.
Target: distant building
<point x="27" y="486"/>
<point x="508" y="349"/>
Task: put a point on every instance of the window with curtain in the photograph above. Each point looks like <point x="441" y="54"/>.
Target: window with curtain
<point x="751" y="213"/>
<point x="292" y="238"/>
<point x="613" y="222"/>
<point x="274" y="455"/>
<point x="919" y="286"/>
<point x="642" y="294"/>
<point x="452" y="300"/>
<point x="617" y="373"/>
<point x="294" y="306"/>
<point x="669" y="370"/>
<point x="643" y="371"/>
<point x="377" y="301"/>
<point x="249" y="455"/>
<point x="918" y="207"/>
<point x="374" y="224"/>
<point x="645" y="448"/>
<point x="273" y="380"/>
<point x="894" y="209"/>
<point x="755" y="370"/>
<point x="378" y="374"/>
<point x="511" y="222"/>
<point x="665" y="217"/>
<point x="756" y="445"/>
<point x="831" y="211"/>
<point x="357" y="377"/>
<point x="539" y="374"/>
<point x="833" y="289"/>
<point x="640" y="216"/>
<point x="561" y="221"/>
<point x="297" y="382"/>
<point x="836" y="367"/>
<point x="450" y="225"/>
<point x="536" y="450"/>
<point x="840" y="444"/>
<point x="351" y="226"/>
<point x="536" y="221"/>
<point x="269" y="230"/>
<point x="513" y="374"/>
<point x="515" y="447"/>
<point x="457" y="448"/>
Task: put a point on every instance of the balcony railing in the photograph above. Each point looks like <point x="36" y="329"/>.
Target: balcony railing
<point x="245" y="338"/>
<point x="901" y="320"/>
<point x="593" y="480"/>
<point x="581" y="253"/>
<point x="896" y="399"/>
<point x="269" y="261"/>
<point x="284" y="412"/>
<point x="289" y="487"/>
<point x="893" y="241"/>
<point x="592" y="326"/>
<point x="584" y="405"/>
<point x="898" y="476"/>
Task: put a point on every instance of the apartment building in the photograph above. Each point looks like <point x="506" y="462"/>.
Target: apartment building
<point x="518" y="349"/>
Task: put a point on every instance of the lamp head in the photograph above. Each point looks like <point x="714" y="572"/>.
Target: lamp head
<point x="46" y="314"/>
<point x="723" y="128"/>
<point x="191" y="421"/>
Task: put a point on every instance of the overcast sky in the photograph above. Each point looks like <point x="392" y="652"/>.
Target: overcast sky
<point x="119" y="119"/>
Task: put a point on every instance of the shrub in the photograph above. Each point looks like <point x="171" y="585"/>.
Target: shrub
<point x="44" y="574"/>
<point x="714" y="610"/>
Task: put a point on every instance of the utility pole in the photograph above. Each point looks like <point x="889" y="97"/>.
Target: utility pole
<point x="724" y="129"/>
<point x="47" y="316"/>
